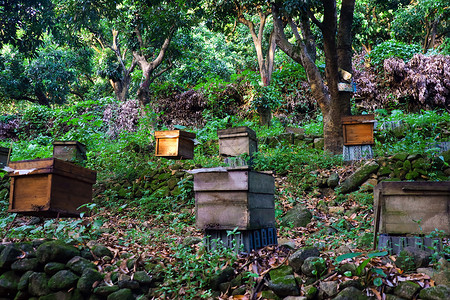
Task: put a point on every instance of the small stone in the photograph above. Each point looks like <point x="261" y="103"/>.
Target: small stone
<point x="314" y="267"/>
<point x="105" y="290"/>
<point x="56" y="251"/>
<point x="330" y="288"/>
<point x="87" y="279"/>
<point x="297" y="259"/>
<point x="100" y="250"/>
<point x="38" y="284"/>
<point x="9" y="255"/>
<point x="351" y="293"/>
<point x="142" y="277"/>
<point x="296" y="217"/>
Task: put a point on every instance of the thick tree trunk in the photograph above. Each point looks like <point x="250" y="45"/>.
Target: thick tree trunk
<point x="333" y="104"/>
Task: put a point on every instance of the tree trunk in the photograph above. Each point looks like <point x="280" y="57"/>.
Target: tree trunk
<point x="265" y="63"/>
<point x="333" y="104"/>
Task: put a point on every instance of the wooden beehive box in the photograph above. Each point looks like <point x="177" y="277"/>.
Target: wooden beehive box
<point x="71" y="151"/>
<point x="234" y="198"/>
<point x="412" y="207"/>
<point x="358" y="130"/>
<point x="174" y="144"/>
<point x="49" y="187"/>
<point x="237" y="141"/>
<point x="4" y="152"/>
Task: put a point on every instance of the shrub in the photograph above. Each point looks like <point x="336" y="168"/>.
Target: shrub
<point x="390" y="49"/>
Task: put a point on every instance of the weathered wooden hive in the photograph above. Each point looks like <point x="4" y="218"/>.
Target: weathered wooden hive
<point x="4" y="152"/>
<point x="234" y="198"/>
<point x="358" y="130"/>
<point x="71" y="151"/>
<point x="237" y="141"/>
<point x="49" y="187"/>
<point x="358" y="136"/>
<point x="412" y="207"/>
<point x="174" y="144"/>
<point x="405" y="209"/>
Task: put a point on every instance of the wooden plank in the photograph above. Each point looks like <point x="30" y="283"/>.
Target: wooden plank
<point x="249" y="200"/>
<point x="174" y="134"/>
<point x="167" y="147"/>
<point x="369" y="118"/>
<point x="186" y="148"/>
<point x="239" y="180"/>
<point x="358" y="134"/>
<point x="69" y="194"/>
<point x="222" y="216"/>
<point x="54" y="165"/>
<point x="224" y="133"/>
<point x="69" y="150"/>
<point x="415" y="188"/>
<point x="29" y="193"/>
<point x="237" y="146"/>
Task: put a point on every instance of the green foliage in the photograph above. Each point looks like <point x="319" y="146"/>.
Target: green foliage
<point x="26" y="23"/>
<point x="419" y="133"/>
<point x="193" y="271"/>
<point x="421" y="22"/>
<point x="392" y="48"/>
<point x="67" y="230"/>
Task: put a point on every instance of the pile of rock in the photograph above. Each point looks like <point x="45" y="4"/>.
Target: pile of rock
<point x="55" y="270"/>
<point x="311" y="275"/>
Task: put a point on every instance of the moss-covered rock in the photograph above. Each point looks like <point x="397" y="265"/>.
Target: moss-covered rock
<point x="56" y="251"/>
<point x="62" y="280"/>
<point x="439" y="292"/>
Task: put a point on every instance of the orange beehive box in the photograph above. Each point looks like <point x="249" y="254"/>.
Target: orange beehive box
<point x="49" y="187"/>
<point x="174" y="144"/>
<point x="358" y="130"/>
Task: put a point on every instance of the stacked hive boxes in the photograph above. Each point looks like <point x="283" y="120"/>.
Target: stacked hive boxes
<point x="236" y="199"/>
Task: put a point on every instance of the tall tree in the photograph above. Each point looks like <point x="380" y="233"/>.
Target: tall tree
<point x="254" y="14"/>
<point x="23" y="23"/>
<point x="422" y="21"/>
<point x="138" y="32"/>
<point x="337" y="48"/>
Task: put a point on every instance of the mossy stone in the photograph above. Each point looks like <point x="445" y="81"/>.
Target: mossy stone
<point x="438" y="292"/>
<point x="164" y="176"/>
<point x="62" y="280"/>
<point x="400" y="156"/>
<point x="123" y="294"/>
<point x="56" y="251"/>
<point x="9" y="281"/>
<point x="53" y="267"/>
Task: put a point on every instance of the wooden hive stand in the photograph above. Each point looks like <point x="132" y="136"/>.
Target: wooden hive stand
<point x="174" y="144"/>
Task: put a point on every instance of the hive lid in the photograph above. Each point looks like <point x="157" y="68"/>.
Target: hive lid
<point x="51" y="165"/>
<point x="370" y="118"/>
<point x="236" y="131"/>
<point x="174" y="134"/>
